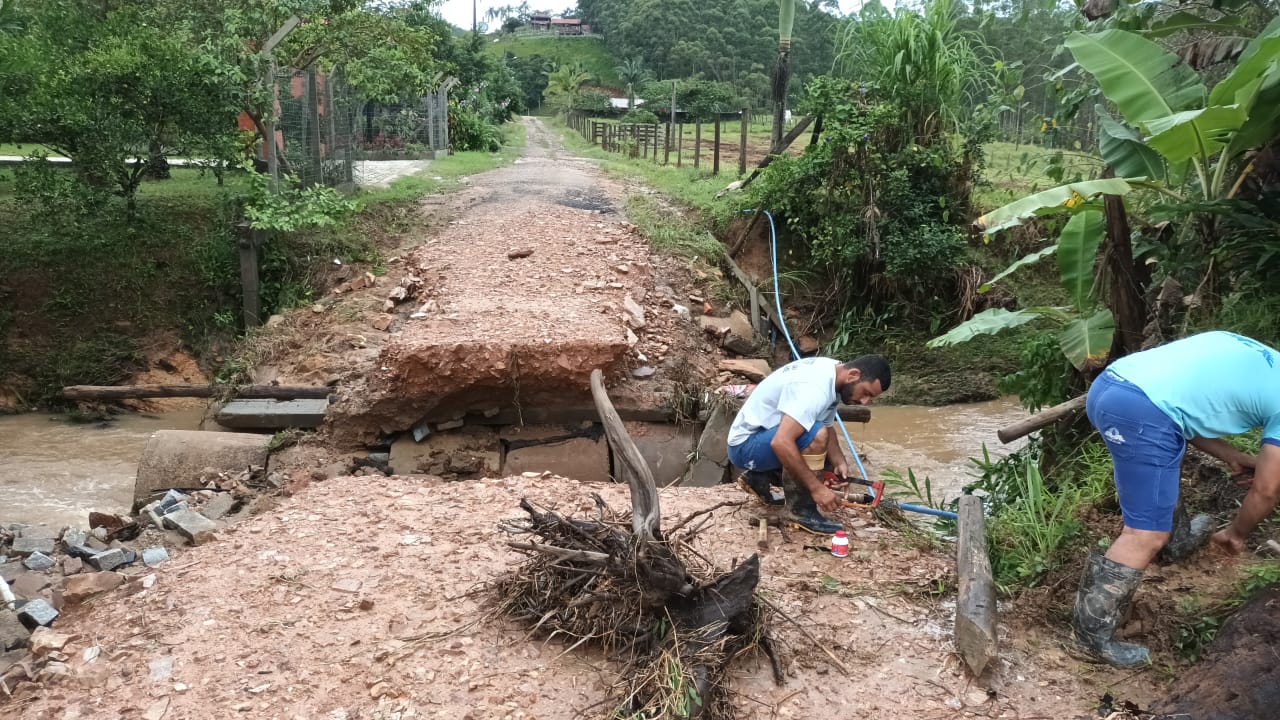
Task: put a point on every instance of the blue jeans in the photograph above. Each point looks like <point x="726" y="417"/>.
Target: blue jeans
<point x="1146" y="449"/>
<point x="756" y="453"/>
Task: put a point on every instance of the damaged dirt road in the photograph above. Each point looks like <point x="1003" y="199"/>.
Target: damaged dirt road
<point x="531" y="279"/>
<point x="355" y="597"/>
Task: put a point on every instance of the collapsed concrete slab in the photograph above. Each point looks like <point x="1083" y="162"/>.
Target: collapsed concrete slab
<point x="177" y="458"/>
<point x="272" y="414"/>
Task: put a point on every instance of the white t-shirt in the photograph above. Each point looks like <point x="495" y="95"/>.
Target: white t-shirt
<point x="805" y="390"/>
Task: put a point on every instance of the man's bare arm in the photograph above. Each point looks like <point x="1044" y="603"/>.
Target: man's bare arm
<point x="1258" y="503"/>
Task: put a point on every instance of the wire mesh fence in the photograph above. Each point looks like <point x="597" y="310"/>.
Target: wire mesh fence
<point x="324" y="129"/>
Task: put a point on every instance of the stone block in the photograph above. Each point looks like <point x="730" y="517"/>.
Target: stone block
<point x="72" y="565"/>
<point x="558" y="449"/>
<point x="11" y="570"/>
<point x="74" y="536"/>
<point x="218" y="506"/>
<point x="45" y="532"/>
<point x="26" y="545"/>
<point x="107" y="559"/>
<point x="257" y="414"/>
<point x="191" y="525"/>
<point x="153" y="556"/>
<point x="666" y="448"/>
<point x="178" y="458"/>
<point x="29" y="585"/>
<point x="86" y="585"/>
<point x="409" y="457"/>
<point x="37" y="613"/>
<point x="739" y="345"/>
<point x="13" y="634"/>
<point x="38" y="561"/>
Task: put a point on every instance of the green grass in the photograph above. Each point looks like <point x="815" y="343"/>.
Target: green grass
<point x="588" y="51"/>
<point x="1013" y="171"/>
<point x="449" y="171"/>
<point x="24" y="149"/>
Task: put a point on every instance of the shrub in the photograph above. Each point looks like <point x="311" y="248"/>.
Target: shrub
<point x="639" y="117"/>
<point x="872" y="209"/>
<point x="469" y="131"/>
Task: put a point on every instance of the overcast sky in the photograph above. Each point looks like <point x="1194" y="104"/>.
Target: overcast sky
<point x="458" y="12"/>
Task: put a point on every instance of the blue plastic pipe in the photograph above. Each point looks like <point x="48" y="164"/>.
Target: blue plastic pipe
<point x="795" y="355"/>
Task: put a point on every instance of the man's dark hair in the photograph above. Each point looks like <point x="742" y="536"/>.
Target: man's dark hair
<point x="872" y="367"/>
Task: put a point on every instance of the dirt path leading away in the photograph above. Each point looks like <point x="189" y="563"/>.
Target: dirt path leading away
<point x="350" y="600"/>
<point x="532" y="280"/>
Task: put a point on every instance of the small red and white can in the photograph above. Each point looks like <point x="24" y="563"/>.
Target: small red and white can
<point x="840" y="544"/>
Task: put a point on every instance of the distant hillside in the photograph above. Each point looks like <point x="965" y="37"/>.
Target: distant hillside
<point x="589" y="51"/>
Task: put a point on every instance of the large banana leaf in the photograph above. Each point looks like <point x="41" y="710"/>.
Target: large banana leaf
<point x="1140" y="77"/>
<point x="1125" y="152"/>
<point x="1077" y="253"/>
<point x="1058" y="199"/>
<point x="1019" y="263"/>
<point x="1258" y="60"/>
<point x="1182" y="20"/>
<point x="1191" y="133"/>
<point x="987" y="322"/>
<point x="1087" y="339"/>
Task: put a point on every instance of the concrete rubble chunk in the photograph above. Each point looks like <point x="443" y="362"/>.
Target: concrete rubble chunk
<point x="754" y="370"/>
<point x="36" y="613"/>
<point x="192" y="525"/>
<point x="177" y="458"/>
<point x="29" y="585"/>
<point x="46" y="640"/>
<point x="45" y="532"/>
<point x="635" y="312"/>
<point x="153" y="556"/>
<point x="739" y="345"/>
<point x="218" y="506"/>
<point x="260" y="414"/>
<point x="38" y="561"/>
<point x="13" y="634"/>
<point x="86" y="585"/>
<point x="10" y="571"/>
<point x="72" y="565"/>
<point x="171" y="498"/>
<point x="107" y="559"/>
<point x="26" y="545"/>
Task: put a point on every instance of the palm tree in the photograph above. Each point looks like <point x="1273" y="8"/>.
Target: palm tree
<point x="563" y="85"/>
<point x="632" y="72"/>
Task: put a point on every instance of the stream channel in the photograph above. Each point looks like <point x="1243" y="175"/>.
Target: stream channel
<point x="55" y="472"/>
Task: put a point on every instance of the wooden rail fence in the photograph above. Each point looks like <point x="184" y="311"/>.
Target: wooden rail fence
<point x="659" y="141"/>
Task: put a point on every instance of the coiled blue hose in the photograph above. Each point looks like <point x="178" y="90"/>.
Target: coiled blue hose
<point x="795" y="355"/>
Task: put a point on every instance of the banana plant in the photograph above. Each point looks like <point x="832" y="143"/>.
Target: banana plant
<point x="1179" y="139"/>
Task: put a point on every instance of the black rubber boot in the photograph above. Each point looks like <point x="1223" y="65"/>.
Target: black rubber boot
<point x="802" y="511"/>
<point x="1106" y="589"/>
<point x="1187" y="536"/>
<point x="758" y="485"/>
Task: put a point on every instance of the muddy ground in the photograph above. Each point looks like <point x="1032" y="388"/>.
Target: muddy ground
<point x="356" y="598"/>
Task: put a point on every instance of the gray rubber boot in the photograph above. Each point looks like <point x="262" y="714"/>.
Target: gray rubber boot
<point x="1187" y="536"/>
<point x="1106" y="590"/>
<point x="802" y="511"/>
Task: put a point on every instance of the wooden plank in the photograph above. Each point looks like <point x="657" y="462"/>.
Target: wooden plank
<point x="1041" y="419"/>
<point x="758" y="299"/>
<point x="975" y="629"/>
<point x="127" y="392"/>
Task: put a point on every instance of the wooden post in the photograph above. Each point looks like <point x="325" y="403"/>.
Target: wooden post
<point x="313" y="129"/>
<point x="249" y="241"/>
<point x="742" y="143"/>
<point x="666" y="144"/>
<point x="680" y="145"/>
<point x="975" y="628"/>
<point x="715" y="155"/>
<point x="697" y="143"/>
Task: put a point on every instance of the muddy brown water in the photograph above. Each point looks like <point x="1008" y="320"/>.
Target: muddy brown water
<point x="55" y="472"/>
<point x="934" y="442"/>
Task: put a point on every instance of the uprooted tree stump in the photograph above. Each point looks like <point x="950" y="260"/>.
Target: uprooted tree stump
<point x="624" y="587"/>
